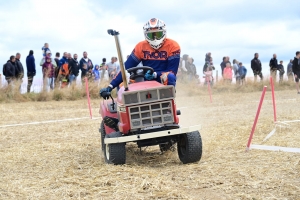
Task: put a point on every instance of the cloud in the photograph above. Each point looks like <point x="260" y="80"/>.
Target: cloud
<point x="237" y="28"/>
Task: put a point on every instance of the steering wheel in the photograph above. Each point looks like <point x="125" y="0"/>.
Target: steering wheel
<point x="139" y="72"/>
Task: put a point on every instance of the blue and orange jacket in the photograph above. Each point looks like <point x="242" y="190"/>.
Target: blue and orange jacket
<point x="165" y="59"/>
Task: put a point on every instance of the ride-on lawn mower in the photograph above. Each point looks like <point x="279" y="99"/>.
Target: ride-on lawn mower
<point x="144" y="112"/>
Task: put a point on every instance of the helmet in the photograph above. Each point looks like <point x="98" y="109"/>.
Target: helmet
<point x="155" y="32"/>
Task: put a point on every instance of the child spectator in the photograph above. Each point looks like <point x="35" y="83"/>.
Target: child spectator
<point x="242" y="72"/>
<point x="45" y="48"/>
<point x="227" y="74"/>
<point x="208" y="76"/>
<point x="281" y="71"/>
<point x="48" y="73"/>
<point x="235" y="70"/>
<point x="96" y="73"/>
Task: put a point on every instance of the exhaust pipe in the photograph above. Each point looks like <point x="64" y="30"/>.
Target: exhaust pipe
<point x="120" y="56"/>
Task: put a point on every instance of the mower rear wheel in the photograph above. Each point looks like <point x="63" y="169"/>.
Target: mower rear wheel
<point x="189" y="147"/>
<point x="115" y="153"/>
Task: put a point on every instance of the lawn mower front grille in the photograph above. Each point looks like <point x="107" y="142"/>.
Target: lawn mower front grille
<point x="156" y="113"/>
<point x="148" y="95"/>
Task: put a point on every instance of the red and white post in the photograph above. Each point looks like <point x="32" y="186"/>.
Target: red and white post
<point x="273" y="98"/>
<point x="209" y="90"/>
<point x="88" y="95"/>
<point x="256" y="118"/>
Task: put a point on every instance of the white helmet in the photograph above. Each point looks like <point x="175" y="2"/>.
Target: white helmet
<point x="155" y="32"/>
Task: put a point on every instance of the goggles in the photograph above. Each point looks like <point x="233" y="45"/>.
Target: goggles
<point x="155" y="35"/>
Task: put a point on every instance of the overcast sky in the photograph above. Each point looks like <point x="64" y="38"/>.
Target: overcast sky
<point x="237" y="28"/>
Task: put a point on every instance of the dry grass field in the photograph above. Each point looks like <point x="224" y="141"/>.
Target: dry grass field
<point x="63" y="160"/>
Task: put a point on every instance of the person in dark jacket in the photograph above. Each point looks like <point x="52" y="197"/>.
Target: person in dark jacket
<point x="223" y="64"/>
<point x="256" y="67"/>
<point x="85" y="64"/>
<point x="31" y="71"/>
<point x="56" y="69"/>
<point x="9" y="70"/>
<point x="289" y="70"/>
<point x="20" y="69"/>
<point x="73" y="68"/>
<point x="281" y="71"/>
<point x="64" y="59"/>
<point x="273" y="67"/>
<point x="296" y="69"/>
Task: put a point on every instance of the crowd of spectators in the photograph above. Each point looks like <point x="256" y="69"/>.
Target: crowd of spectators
<point x="59" y="72"/>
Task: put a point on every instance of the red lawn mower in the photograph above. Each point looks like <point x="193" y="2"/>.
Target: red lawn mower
<point x="145" y="113"/>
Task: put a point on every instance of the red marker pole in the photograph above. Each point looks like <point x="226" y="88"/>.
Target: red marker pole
<point x="273" y="98"/>
<point x="256" y="118"/>
<point x="88" y="95"/>
<point x="209" y="92"/>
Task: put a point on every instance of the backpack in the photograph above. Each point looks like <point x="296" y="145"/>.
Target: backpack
<point x="64" y="70"/>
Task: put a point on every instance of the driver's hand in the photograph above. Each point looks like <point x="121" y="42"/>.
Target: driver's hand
<point x="105" y="92"/>
<point x="149" y="76"/>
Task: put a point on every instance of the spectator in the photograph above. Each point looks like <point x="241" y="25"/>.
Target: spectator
<point x="227" y="73"/>
<point x="45" y="48"/>
<point x="56" y="69"/>
<point x="48" y="74"/>
<point x="228" y="60"/>
<point x="273" y="67"/>
<point x="256" y="67"/>
<point x="192" y="69"/>
<point x="111" y="68"/>
<point x="242" y="72"/>
<point x="117" y="65"/>
<point x="86" y="73"/>
<point x="96" y="73"/>
<point x="74" y="69"/>
<point x="223" y="65"/>
<point x="208" y="76"/>
<point x="235" y="68"/>
<point x="63" y="60"/>
<point x="211" y="64"/>
<point x="31" y="71"/>
<point x="183" y="66"/>
<point x="20" y="69"/>
<point x="102" y="68"/>
<point x="289" y="70"/>
<point x="57" y="58"/>
<point x="48" y="54"/>
<point x="281" y="71"/>
<point x="296" y="69"/>
<point x="207" y="57"/>
<point x="89" y="64"/>
<point x="9" y="70"/>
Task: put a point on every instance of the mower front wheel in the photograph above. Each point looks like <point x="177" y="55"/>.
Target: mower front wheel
<point x="189" y="147"/>
<point x="115" y="153"/>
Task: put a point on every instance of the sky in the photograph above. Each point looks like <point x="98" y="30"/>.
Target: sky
<point x="235" y="28"/>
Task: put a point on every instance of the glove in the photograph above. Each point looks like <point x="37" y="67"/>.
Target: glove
<point x="149" y="76"/>
<point x="105" y="92"/>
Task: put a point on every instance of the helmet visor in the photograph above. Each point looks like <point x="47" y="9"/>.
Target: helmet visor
<point x="155" y="35"/>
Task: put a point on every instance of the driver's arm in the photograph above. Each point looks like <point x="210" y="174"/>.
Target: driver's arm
<point x="132" y="61"/>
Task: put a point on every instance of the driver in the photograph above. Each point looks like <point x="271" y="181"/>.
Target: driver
<point x="156" y="51"/>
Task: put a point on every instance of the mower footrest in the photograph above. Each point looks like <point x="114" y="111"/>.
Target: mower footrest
<point x="157" y="134"/>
